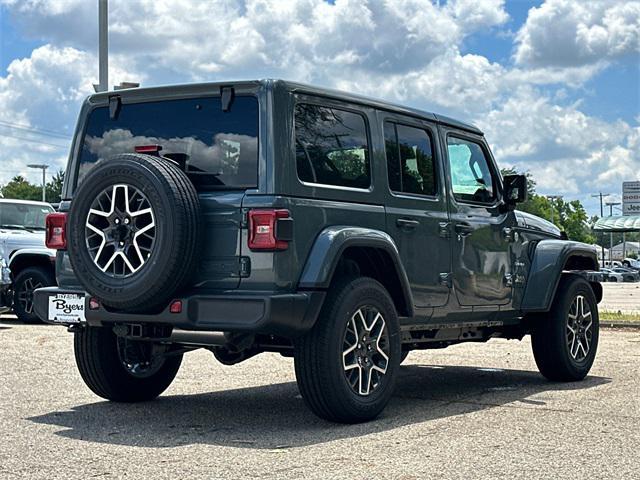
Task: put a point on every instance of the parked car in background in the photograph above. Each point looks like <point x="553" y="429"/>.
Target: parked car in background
<point x="612" y="263"/>
<point x="26" y="263"/>
<point x="611" y="276"/>
<point x="632" y="263"/>
<point x="628" y="275"/>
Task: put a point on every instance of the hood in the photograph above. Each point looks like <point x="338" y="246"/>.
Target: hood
<point x="12" y="240"/>
<point x="531" y="222"/>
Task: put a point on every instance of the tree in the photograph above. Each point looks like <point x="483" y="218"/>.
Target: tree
<point x="53" y="189"/>
<point x="21" y="189"/>
<point x="571" y="217"/>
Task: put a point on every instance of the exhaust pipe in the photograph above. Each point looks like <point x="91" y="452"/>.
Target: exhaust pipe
<point x="190" y="337"/>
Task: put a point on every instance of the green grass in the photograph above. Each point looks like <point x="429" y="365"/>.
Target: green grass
<point x="619" y="316"/>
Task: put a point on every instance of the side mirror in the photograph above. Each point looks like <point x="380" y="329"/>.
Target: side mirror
<point x="515" y="189"/>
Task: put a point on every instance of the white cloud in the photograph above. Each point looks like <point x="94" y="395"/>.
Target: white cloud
<point x="43" y="92"/>
<point x="566" y="150"/>
<point x="577" y="32"/>
<point x="196" y="39"/>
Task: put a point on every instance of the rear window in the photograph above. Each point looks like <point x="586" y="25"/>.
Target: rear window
<point x="331" y="147"/>
<point x="217" y="149"/>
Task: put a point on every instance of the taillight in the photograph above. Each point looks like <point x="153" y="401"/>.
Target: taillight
<point x="56" y="231"/>
<point x="269" y="229"/>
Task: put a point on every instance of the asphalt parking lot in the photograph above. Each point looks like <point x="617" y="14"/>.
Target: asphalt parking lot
<point x="470" y="411"/>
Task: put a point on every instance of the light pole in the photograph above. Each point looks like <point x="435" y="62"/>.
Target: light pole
<point x="44" y="178"/>
<point x="103" y="46"/>
<point x="553" y="198"/>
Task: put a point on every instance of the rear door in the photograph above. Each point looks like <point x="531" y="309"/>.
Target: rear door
<point x="416" y="207"/>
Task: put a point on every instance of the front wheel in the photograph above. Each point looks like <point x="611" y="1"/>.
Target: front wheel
<point x="25" y="283"/>
<point x="123" y="370"/>
<point x="565" y="340"/>
<point x="346" y="366"/>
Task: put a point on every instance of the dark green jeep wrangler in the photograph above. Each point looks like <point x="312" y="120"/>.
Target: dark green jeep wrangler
<point x="271" y="216"/>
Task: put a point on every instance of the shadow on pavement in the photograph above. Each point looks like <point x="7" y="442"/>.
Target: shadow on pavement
<point x="275" y="417"/>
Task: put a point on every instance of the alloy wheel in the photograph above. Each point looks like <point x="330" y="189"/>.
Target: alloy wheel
<point x="365" y="355"/>
<point x="25" y="294"/>
<point x="579" y="329"/>
<point x="120" y="230"/>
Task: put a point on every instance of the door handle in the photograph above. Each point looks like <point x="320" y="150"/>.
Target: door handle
<point x="463" y="229"/>
<point x="407" y="223"/>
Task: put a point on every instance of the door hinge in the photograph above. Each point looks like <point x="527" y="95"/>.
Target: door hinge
<point x="245" y="267"/>
<point x="446" y="279"/>
<point x="443" y="230"/>
<point x="508" y="280"/>
<point x="510" y="234"/>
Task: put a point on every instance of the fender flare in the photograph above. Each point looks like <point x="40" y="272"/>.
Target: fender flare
<point x="331" y="243"/>
<point x="550" y="260"/>
<point x="29" y="254"/>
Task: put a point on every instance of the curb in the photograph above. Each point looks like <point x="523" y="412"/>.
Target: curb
<point x="615" y="324"/>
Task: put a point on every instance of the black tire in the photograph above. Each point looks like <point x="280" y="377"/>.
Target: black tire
<point x="24" y="285"/>
<point x="404" y="356"/>
<point x="172" y="259"/>
<point x="551" y="338"/>
<point x="318" y="355"/>
<point x="100" y="364"/>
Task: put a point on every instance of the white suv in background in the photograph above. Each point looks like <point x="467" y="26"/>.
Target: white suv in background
<point x="25" y="262"/>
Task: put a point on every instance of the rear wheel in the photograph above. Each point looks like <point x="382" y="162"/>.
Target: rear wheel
<point x="346" y="365"/>
<point x="565" y="341"/>
<point x="123" y="370"/>
<point x="25" y="283"/>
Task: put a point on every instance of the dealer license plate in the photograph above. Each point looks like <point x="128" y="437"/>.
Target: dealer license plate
<point x="66" y="308"/>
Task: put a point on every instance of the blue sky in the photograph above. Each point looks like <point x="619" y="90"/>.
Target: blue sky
<point x="555" y="84"/>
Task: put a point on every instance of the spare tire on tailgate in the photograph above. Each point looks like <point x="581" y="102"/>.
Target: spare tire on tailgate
<point x="134" y="232"/>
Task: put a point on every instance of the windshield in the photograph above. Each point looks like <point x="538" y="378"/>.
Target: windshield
<point x="215" y="148"/>
<point x="22" y="216"/>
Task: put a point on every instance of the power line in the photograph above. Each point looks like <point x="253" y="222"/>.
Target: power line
<point x="39" y="131"/>
<point x="34" y="141"/>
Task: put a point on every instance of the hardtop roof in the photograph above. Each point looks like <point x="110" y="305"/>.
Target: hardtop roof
<point x="296" y="87"/>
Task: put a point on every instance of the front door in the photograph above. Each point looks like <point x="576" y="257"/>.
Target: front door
<point x="417" y="209"/>
<point x="481" y="224"/>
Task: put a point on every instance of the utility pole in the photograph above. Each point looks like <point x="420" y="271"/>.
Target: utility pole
<point x="44" y="178"/>
<point x="611" y="205"/>
<point x="103" y="46"/>
<point x="601" y="195"/>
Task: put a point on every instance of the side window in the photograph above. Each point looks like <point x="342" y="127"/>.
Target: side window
<point x="331" y="147"/>
<point x="471" y="176"/>
<point x="410" y="161"/>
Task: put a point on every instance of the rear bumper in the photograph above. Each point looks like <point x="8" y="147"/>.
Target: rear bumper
<point x="287" y="315"/>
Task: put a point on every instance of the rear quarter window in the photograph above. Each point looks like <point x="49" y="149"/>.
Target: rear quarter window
<point x="331" y="147"/>
<point x="217" y="149"/>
